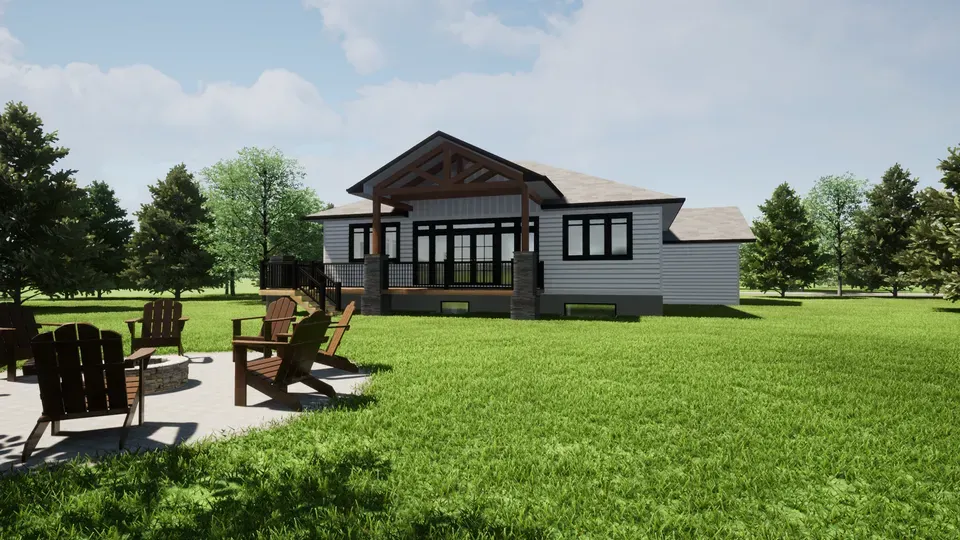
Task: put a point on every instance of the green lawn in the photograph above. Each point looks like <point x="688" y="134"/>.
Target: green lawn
<point x="796" y="418"/>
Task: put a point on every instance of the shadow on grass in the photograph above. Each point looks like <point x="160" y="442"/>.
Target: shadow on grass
<point x="100" y="308"/>
<point x="947" y="309"/>
<point x="770" y="302"/>
<point x="375" y="367"/>
<point x="725" y="312"/>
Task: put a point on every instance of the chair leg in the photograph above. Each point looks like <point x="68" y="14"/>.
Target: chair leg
<point x="336" y="361"/>
<point x="240" y="377"/>
<point x="55" y="427"/>
<point x="180" y="348"/>
<point x="12" y="370"/>
<point x="320" y="386"/>
<point x="128" y="420"/>
<point x="33" y="439"/>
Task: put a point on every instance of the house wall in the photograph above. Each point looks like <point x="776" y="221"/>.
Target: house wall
<point x="701" y="273"/>
<point x="639" y="276"/>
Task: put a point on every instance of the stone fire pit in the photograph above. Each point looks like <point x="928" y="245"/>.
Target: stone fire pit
<point x="164" y="373"/>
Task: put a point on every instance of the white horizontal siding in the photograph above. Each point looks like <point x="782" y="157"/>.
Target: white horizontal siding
<point x="639" y="276"/>
<point x="701" y="274"/>
<point x="470" y="208"/>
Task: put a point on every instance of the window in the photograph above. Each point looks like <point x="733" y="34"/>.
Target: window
<point x="360" y="241"/>
<point x="590" y="311"/>
<point x="604" y="236"/>
<point x="455" y="308"/>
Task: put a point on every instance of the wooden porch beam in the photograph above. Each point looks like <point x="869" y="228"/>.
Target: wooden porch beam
<point x="480" y="160"/>
<point x="375" y="224"/>
<point x="412" y="167"/>
<point x="462" y="176"/>
<point x="534" y="196"/>
<point x="453" y="191"/>
<point x="397" y="204"/>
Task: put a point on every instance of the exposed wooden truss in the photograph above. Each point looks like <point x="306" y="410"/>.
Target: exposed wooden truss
<point x="449" y="171"/>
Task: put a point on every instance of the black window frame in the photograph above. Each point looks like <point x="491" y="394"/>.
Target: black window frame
<point x="607" y="237"/>
<point x="449" y="229"/>
<point x="367" y="227"/>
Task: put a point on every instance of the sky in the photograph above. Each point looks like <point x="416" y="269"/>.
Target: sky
<point x="717" y="101"/>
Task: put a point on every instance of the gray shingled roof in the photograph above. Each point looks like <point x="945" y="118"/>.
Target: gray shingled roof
<point x="363" y="207"/>
<point x="723" y="223"/>
<point x="580" y="188"/>
<point x="577" y="188"/>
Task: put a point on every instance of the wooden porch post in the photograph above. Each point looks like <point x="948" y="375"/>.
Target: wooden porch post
<point x="375" y="226"/>
<point x="524" y="218"/>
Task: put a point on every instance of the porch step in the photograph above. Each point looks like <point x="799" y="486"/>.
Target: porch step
<point x="311" y="307"/>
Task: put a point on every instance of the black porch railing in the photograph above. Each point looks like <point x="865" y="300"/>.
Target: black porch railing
<point x="325" y="280"/>
<point x="307" y="277"/>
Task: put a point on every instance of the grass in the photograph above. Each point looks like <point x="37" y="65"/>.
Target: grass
<point x="779" y="418"/>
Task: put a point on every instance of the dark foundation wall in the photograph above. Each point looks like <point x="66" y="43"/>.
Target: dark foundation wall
<point x="550" y="304"/>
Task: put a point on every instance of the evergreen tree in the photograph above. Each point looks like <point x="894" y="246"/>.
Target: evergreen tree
<point x="785" y="255"/>
<point x="882" y="232"/>
<point x="167" y="252"/>
<point x="45" y="246"/>
<point x="928" y="259"/>
<point x="832" y="203"/>
<point x="110" y="228"/>
<point x="949" y="229"/>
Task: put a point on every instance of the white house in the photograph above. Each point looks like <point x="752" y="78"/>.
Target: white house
<point x="462" y="229"/>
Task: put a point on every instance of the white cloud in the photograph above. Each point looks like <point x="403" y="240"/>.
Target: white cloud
<point x="694" y="97"/>
<point x="489" y="32"/>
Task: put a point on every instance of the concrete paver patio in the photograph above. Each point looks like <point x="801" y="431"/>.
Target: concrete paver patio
<point x="202" y="408"/>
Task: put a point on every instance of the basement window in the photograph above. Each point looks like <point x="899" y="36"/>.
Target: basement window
<point x="590" y="311"/>
<point x="454" y="308"/>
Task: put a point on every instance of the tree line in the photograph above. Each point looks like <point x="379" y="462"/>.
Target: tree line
<point x="60" y="239"/>
<point x="888" y="236"/>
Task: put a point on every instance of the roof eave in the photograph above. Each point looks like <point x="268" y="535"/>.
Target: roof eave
<point x="559" y="205"/>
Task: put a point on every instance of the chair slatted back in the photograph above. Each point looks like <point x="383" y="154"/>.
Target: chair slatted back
<point x="338" y="333"/>
<point x="161" y="319"/>
<point x="21" y="318"/>
<point x="307" y="337"/>
<point x="278" y="309"/>
<point x="80" y="370"/>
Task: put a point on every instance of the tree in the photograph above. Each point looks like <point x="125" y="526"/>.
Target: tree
<point x="44" y="243"/>
<point x="785" y="255"/>
<point x="927" y="260"/>
<point x="258" y="202"/>
<point x="167" y="252"/>
<point x="832" y="203"/>
<point x="110" y="228"/>
<point x="883" y="229"/>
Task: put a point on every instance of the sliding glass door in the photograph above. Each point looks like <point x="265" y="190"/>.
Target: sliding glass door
<point x="467" y="253"/>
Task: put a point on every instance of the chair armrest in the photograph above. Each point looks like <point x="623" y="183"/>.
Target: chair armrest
<point x="183" y="319"/>
<point x="281" y="319"/>
<point x="258" y="344"/>
<point x="131" y="321"/>
<point x="57" y="324"/>
<point x="344" y="326"/>
<point x="7" y="330"/>
<point x="284" y="334"/>
<point x="139" y="357"/>
<point x="247" y="318"/>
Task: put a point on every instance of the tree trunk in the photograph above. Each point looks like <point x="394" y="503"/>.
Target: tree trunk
<point x="895" y="291"/>
<point x="783" y="293"/>
<point x="99" y="294"/>
<point x="226" y="288"/>
<point x="176" y="294"/>
<point x="233" y="283"/>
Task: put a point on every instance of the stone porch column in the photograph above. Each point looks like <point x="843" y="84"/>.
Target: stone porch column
<point x="525" y="301"/>
<point x="374" y="301"/>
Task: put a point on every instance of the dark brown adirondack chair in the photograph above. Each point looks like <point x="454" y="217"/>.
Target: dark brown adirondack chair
<point x="329" y="356"/>
<point x="81" y="374"/>
<point x="292" y="364"/>
<point x="275" y="324"/>
<point x="17" y="327"/>
<point x="162" y="325"/>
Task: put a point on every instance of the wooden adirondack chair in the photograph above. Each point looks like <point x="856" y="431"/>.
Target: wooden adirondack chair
<point x="292" y="364"/>
<point x="275" y="326"/>
<point x="329" y="356"/>
<point x="162" y="325"/>
<point x="81" y="374"/>
<point x="17" y="327"/>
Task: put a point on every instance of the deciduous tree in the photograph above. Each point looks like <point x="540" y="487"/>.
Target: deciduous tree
<point x="786" y="254"/>
<point x="258" y="202"/>
<point x="168" y="251"/>
<point x="832" y="203"/>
